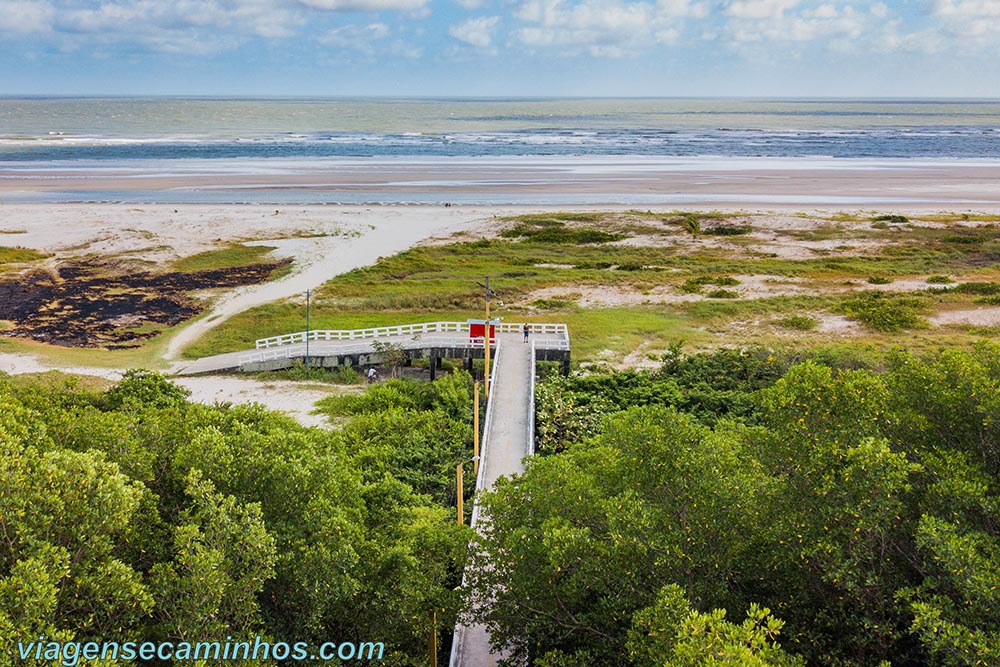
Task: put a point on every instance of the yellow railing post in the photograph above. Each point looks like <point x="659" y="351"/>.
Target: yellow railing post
<point x="475" y="431"/>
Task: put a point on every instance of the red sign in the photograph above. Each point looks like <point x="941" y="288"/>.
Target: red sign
<point x="477" y="329"/>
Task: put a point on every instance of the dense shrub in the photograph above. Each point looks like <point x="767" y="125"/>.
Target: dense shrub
<point x="862" y="506"/>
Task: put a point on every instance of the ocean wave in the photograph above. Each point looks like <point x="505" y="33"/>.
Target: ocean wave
<point x="907" y="142"/>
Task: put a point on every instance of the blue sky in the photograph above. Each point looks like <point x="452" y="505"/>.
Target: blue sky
<point x="915" y="48"/>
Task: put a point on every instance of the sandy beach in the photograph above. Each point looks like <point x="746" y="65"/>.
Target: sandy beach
<point x="534" y="180"/>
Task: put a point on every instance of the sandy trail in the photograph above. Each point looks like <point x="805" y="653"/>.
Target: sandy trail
<point x="386" y="232"/>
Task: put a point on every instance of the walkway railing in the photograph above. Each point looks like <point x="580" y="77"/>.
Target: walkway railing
<point x="417" y="330"/>
<point x="459" y="637"/>
<point x="531" y="404"/>
<point x="355" y="334"/>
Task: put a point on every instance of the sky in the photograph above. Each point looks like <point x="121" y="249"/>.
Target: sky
<point x="531" y="48"/>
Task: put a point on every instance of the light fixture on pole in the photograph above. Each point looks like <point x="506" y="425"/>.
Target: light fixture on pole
<point x="486" y="336"/>
<point x="308" y="296"/>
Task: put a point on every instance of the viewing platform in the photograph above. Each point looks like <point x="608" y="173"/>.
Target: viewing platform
<point x="368" y="347"/>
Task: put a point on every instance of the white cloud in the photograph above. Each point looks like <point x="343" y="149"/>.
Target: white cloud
<point x="471" y="4"/>
<point x="837" y="26"/>
<point x="604" y="29"/>
<point x="177" y="26"/>
<point x="759" y="9"/>
<point x="26" y="16"/>
<point x="968" y="24"/>
<point x="966" y="9"/>
<point x="356" y="37"/>
<point x="477" y="32"/>
<point x="364" y="5"/>
<point x="197" y="26"/>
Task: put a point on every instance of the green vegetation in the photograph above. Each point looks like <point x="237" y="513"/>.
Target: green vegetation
<point x="130" y="514"/>
<point x="695" y="285"/>
<point x="730" y="230"/>
<point x="548" y="229"/>
<point x="639" y="283"/>
<point x="798" y="322"/>
<point x="891" y="219"/>
<point x="742" y="508"/>
<point x="888" y="313"/>
<point x="236" y="254"/>
<point x="19" y="255"/>
<point x="979" y="288"/>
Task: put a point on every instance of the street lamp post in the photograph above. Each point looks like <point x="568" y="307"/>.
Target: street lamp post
<point x="475" y="429"/>
<point x="308" y="295"/>
<point x="486" y="338"/>
<point x="459" y="473"/>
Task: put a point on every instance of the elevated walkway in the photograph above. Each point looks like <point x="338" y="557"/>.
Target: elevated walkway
<point x="508" y="438"/>
<point x="361" y="347"/>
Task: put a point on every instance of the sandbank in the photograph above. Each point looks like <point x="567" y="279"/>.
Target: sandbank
<point x="535" y="180"/>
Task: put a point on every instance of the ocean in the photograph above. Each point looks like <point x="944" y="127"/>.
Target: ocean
<point x="166" y="136"/>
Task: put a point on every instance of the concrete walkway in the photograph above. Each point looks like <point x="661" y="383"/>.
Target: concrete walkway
<point x="506" y="445"/>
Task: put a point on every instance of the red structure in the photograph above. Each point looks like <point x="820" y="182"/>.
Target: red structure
<point x="477" y="329"/>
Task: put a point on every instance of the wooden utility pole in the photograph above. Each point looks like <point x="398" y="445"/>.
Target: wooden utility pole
<point x="308" y="295"/>
<point x="434" y="638"/>
<point x="460" y="472"/>
<point x="486" y="377"/>
<point x="475" y="431"/>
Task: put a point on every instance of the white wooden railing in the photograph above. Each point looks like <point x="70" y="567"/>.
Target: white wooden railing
<point x="531" y="403"/>
<point x="267" y="355"/>
<point x="417" y="331"/>
<point x="355" y="334"/>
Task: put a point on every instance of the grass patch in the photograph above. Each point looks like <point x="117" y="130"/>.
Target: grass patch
<point x="891" y="219"/>
<point x="939" y="280"/>
<point x="887" y="313"/>
<point x="879" y="280"/>
<point x="630" y="266"/>
<point x="552" y="304"/>
<point x="964" y="239"/>
<point x="149" y="355"/>
<point x="798" y="322"/>
<point x="58" y="380"/>
<point x="978" y="288"/>
<point x="722" y="294"/>
<point x="553" y="231"/>
<point x="20" y="255"/>
<point x="695" y="285"/>
<point x="229" y="257"/>
<point x="724" y="230"/>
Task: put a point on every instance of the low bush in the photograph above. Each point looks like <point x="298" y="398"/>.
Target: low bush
<point x="887" y="313"/>
<point x="798" y="322"/>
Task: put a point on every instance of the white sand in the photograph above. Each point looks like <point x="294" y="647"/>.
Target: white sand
<point x="292" y="398"/>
